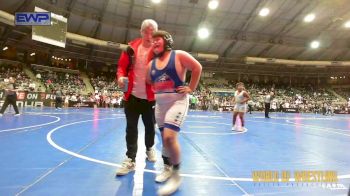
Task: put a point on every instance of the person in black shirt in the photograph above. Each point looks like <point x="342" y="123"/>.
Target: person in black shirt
<point x="324" y="108"/>
<point x="10" y="97"/>
<point x="281" y="107"/>
<point x="79" y="101"/>
<point x="58" y="99"/>
<point x="268" y="99"/>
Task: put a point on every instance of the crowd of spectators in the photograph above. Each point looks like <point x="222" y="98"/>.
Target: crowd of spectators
<point x="345" y="92"/>
<point x="304" y="99"/>
<point x="104" y="83"/>
<point x="23" y="82"/>
<point x="215" y="95"/>
<point x="93" y="100"/>
<point x="67" y="82"/>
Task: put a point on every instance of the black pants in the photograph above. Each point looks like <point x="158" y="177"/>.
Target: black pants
<point x="135" y="107"/>
<point x="58" y="102"/>
<point x="267" y="109"/>
<point x="10" y="99"/>
<point x="250" y="109"/>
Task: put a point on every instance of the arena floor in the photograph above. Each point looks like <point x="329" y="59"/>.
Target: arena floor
<point x="76" y="152"/>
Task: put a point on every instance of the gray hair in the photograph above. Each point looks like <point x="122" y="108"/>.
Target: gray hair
<point x="149" y="23"/>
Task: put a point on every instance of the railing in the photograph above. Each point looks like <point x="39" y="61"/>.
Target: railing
<point x="55" y="69"/>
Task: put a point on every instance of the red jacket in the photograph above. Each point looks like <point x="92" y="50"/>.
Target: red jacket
<point x="122" y="67"/>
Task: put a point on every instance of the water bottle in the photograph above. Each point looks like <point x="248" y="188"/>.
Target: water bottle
<point x="126" y="82"/>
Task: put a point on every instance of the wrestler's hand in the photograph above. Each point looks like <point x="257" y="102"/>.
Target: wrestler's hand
<point x="184" y="90"/>
<point x="242" y="102"/>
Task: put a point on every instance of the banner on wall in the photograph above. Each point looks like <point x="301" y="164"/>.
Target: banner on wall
<point x="29" y="98"/>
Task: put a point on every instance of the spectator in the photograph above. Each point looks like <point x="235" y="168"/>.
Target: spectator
<point x="38" y="76"/>
<point x="32" y="86"/>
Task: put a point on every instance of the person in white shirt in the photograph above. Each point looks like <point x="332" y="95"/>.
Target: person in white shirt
<point x="66" y="101"/>
<point x="73" y="98"/>
<point x="119" y="101"/>
<point x="113" y="102"/>
<point x="286" y="105"/>
<point x="138" y="95"/>
<point x="240" y="99"/>
<point x="32" y="86"/>
<point x="268" y="99"/>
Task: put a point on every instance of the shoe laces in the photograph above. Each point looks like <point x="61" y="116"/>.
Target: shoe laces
<point x="167" y="168"/>
<point x="126" y="163"/>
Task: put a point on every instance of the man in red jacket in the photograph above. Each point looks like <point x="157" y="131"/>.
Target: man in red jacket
<point x="138" y="96"/>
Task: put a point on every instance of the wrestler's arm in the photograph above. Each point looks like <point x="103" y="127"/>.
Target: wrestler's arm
<point x="189" y="62"/>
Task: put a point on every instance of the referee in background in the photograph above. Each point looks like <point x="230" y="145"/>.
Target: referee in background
<point x="10" y="97"/>
<point x="268" y="99"/>
<point x="58" y="99"/>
